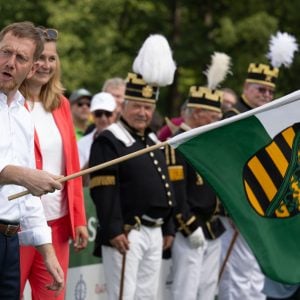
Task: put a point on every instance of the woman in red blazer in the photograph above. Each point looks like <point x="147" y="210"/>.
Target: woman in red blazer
<point x="56" y="151"/>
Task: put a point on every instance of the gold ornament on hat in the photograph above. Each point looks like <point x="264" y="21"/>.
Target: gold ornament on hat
<point x="147" y="91"/>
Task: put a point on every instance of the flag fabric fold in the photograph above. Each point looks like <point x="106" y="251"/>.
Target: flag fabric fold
<point x="252" y="161"/>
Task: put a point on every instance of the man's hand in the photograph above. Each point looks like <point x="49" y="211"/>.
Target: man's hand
<point x="81" y="238"/>
<point x="37" y="182"/>
<point x="167" y="241"/>
<point x="40" y="182"/>
<point x="53" y="267"/>
<point x="121" y="243"/>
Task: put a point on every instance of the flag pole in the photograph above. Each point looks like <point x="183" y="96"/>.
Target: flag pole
<point x="98" y="167"/>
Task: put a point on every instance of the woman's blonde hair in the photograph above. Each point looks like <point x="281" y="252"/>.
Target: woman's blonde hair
<point x="51" y="92"/>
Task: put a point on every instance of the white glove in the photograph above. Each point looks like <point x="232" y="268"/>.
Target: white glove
<point x="197" y="238"/>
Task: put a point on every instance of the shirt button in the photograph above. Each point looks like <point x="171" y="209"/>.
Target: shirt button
<point x="170" y="202"/>
<point x="163" y="177"/>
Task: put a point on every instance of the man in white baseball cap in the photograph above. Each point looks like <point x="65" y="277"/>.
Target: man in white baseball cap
<point x="102" y="107"/>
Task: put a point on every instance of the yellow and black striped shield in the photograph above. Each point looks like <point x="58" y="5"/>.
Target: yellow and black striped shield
<point x="271" y="176"/>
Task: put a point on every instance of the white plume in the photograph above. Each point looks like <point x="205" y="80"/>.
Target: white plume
<point x="281" y="49"/>
<point x="154" y="61"/>
<point x="217" y="71"/>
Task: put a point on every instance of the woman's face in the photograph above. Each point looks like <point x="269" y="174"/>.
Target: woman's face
<point x="47" y="64"/>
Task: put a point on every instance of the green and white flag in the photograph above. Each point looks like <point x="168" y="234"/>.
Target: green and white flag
<point x="252" y="160"/>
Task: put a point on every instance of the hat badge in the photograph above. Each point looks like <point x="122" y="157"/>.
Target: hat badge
<point x="147" y="91"/>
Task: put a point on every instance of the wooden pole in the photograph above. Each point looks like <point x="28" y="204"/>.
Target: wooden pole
<point x="98" y="167"/>
<point x="127" y="229"/>
<point x="122" y="276"/>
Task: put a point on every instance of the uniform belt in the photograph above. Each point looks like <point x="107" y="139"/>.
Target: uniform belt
<point x="9" y="229"/>
<point x="150" y="222"/>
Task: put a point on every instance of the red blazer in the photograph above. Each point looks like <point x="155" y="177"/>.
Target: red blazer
<point x="74" y="191"/>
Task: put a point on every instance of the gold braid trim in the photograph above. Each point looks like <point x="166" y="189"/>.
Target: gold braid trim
<point x="102" y="181"/>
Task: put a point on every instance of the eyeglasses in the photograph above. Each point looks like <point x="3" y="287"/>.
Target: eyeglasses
<point x="80" y="104"/>
<point x="20" y="58"/>
<point x="49" y="34"/>
<point x="99" y="113"/>
<point x="264" y="90"/>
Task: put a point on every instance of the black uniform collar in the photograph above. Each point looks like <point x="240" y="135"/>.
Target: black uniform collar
<point x="246" y="101"/>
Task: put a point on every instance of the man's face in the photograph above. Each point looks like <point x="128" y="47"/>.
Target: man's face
<point x="229" y="100"/>
<point x="119" y="94"/>
<point x="81" y="109"/>
<point x="16" y="62"/>
<point x="205" y="116"/>
<point x="138" y="114"/>
<point x="258" y="94"/>
<point x="102" y="119"/>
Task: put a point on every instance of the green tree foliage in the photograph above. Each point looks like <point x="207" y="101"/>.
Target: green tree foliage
<point x="99" y="39"/>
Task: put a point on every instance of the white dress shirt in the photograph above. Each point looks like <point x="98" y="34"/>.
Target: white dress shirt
<point x="84" y="148"/>
<point x="17" y="148"/>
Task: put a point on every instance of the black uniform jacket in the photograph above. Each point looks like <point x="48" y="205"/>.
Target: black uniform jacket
<point x="241" y="106"/>
<point x="196" y="201"/>
<point x="131" y="188"/>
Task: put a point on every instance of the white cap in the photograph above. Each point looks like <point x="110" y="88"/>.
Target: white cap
<point x="103" y="101"/>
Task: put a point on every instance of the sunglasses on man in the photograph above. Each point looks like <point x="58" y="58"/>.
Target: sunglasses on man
<point x="99" y="113"/>
<point x="80" y="104"/>
<point x="264" y="90"/>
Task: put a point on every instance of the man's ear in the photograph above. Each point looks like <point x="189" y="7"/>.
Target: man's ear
<point x="32" y="70"/>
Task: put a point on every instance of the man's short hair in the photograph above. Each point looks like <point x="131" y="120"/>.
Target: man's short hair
<point x="113" y="82"/>
<point x="26" y="30"/>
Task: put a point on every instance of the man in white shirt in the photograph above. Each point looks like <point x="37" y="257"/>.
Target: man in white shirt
<point x="21" y="220"/>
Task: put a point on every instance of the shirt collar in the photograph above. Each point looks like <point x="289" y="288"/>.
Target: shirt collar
<point x="18" y="98"/>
